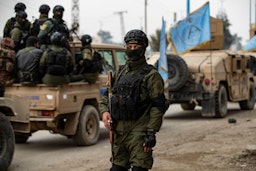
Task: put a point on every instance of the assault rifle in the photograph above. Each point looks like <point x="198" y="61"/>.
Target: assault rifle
<point x="74" y="29"/>
<point x="111" y="132"/>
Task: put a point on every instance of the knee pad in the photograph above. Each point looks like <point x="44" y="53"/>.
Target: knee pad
<point x="135" y="168"/>
<point x="118" y="168"/>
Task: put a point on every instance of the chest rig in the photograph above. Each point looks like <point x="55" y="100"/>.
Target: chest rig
<point x="126" y="103"/>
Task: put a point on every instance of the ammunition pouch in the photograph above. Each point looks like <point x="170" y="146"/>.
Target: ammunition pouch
<point x="126" y="108"/>
<point x="56" y="70"/>
<point x="28" y="78"/>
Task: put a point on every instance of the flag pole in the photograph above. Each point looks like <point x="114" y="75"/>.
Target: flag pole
<point x="188" y="7"/>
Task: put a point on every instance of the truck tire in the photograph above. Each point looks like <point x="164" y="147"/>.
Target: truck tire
<point x="249" y="104"/>
<point x="221" y="102"/>
<point x="6" y="142"/>
<point x="188" y="106"/>
<point x="177" y="72"/>
<point x="88" y="129"/>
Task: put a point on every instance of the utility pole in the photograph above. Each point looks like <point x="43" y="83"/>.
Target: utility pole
<point x="120" y="13"/>
<point x="75" y="15"/>
<point x="146" y="29"/>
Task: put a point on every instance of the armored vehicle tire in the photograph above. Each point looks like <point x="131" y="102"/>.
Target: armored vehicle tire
<point x="6" y="142"/>
<point x="21" y="138"/>
<point x="88" y="129"/>
<point x="188" y="106"/>
<point x="221" y="102"/>
<point x="249" y="104"/>
<point x="177" y="72"/>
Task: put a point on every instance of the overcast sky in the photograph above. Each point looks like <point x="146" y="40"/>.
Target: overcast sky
<point x="102" y="14"/>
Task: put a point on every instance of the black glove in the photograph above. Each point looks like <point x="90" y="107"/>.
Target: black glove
<point x="150" y="139"/>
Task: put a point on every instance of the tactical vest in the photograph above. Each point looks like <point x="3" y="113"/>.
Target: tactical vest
<point x="26" y="76"/>
<point x="36" y="26"/>
<point x="23" y="37"/>
<point x="56" y="62"/>
<point x="57" y="27"/>
<point x="126" y="103"/>
<point x="95" y="65"/>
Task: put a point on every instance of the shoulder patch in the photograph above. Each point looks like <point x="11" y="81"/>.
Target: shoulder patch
<point x="43" y="27"/>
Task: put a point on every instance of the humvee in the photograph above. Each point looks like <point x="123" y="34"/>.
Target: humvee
<point x="211" y="77"/>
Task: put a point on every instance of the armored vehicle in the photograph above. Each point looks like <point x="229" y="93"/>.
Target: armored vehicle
<point x="210" y="77"/>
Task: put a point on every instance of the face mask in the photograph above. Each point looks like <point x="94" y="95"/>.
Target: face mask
<point x="135" y="54"/>
<point x="58" y="15"/>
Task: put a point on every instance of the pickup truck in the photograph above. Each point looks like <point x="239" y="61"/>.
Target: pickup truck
<point x="70" y="110"/>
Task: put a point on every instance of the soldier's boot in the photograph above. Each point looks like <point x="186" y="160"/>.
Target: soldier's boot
<point x="117" y="168"/>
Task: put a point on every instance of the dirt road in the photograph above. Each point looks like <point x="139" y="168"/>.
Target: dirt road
<point x="186" y="142"/>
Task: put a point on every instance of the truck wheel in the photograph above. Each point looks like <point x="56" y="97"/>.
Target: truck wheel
<point x="88" y="129"/>
<point x="188" y="106"/>
<point x="249" y="104"/>
<point x="6" y="142"/>
<point x="21" y="138"/>
<point x="177" y="72"/>
<point x="221" y="102"/>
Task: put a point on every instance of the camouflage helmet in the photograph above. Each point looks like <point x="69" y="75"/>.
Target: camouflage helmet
<point x="19" y="7"/>
<point x="57" y="38"/>
<point x="86" y="39"/>
<point x="136" y="36"/>
<point x="7" y="43"/>
<point x="44" y="9"/>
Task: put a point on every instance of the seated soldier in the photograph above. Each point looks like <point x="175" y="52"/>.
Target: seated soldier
<point x="28" y="62"/>
<point x="56" y="62"/>
<point x="88" y="66"/>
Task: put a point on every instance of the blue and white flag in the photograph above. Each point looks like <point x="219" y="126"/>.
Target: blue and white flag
<point x="162" y="62"/>
<point x="251" y="45"/>
<point x="193" y="31"/>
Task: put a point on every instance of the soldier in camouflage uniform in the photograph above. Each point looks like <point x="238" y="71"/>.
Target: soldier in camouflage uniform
<point x="88" y="67"/>
<point x="52" y="25"/>
<point x="7" y="63"/>
<point x="134" y="112"/>
<point x="35" y="27"/>
<point x="19" y="34"/>
<point x="10" y="23"/>
<point x="28" y="62"/>
<point x="56" y="62"/>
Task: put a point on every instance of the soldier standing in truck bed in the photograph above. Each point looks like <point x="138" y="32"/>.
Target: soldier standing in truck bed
<point x="37" y="24"/>
<point x="10" y="22"/>
<point x="19" y="33"/>
<point x="52" y="25"/>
